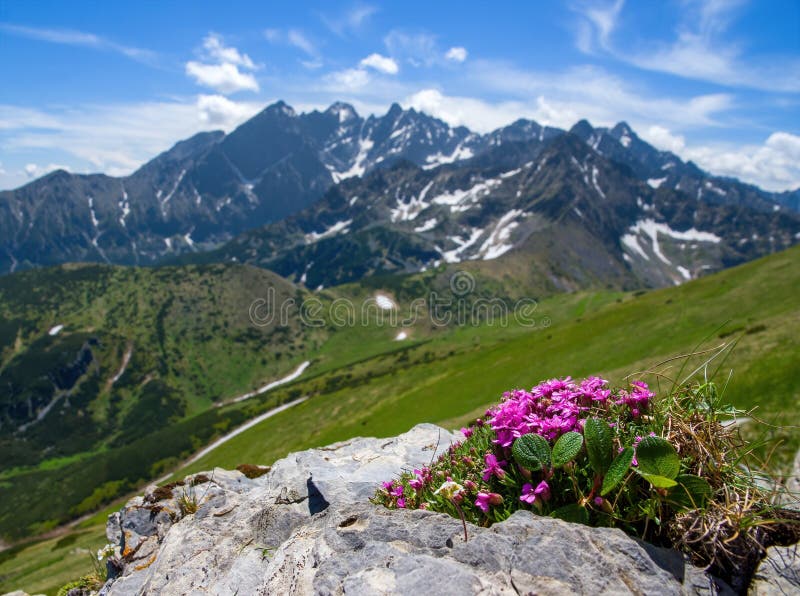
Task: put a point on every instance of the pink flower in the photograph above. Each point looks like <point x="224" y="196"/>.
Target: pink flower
<point x="416" y="482"/>
<point x="493" y="467"/>
<point x="637" y="399"/>
<point x="529" y="494"/>
<point x="401" y="503"/>
<point x="598" y="501"/>
<point x="467" y="432"/>
<point x="398" y="491"/>
<point x="484" y="500"/>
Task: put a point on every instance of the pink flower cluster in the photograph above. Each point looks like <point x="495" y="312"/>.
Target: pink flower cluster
<point x="636" y="399"/>
<point x="555" y="407"/>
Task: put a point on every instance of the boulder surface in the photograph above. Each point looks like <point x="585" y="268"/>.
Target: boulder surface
<point x="307" y="527"/>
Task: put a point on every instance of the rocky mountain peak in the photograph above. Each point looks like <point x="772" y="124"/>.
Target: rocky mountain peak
<point x="211" y="187"/>
<point x="582" y="129"/>
<point x="342" y="111"/>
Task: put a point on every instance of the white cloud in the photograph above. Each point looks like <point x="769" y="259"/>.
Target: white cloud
<point x="349" y="21"/>
<point x="33" y="170"/>
<point x="221" y="67"/>
<point x="79" y="38"/>
<point x="602" y="98"/>
<point x="218" y="52"/>
<point x="294" y="38"/>
<point x="604" y="18"/>
<point x="300" y="41"/>
<point x="219" y="111"/>
<point x="418" y="49"/>
<point x="456" y="54"/>
<point x="226" y="78"/>
<point x="348" y="79"/>
<point x="312" y="64"/>
<point x="695" y="57"/>
<point x="380" y="63"/>
<point x="474" y="113"/>
<point x="773" y="165"/>
<point x="696" y="52"/>
<point x="115" y="139"/>
<point x="273" y="35"/>
<point x="662" y="138"/>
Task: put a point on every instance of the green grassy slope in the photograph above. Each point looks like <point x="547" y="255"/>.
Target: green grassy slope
<point x="450" y="376"/>
<point x="141" y="350"/>
<point x="756" y="303"/>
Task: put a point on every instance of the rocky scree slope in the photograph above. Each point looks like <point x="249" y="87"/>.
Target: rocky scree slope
<point x="306" y="526"/>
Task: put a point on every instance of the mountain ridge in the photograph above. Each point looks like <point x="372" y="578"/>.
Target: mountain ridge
<point x="536" y="201"/>
<point x="208" y="188"/>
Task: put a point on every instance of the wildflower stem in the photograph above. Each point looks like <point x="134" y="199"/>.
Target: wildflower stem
<point x="463" y="521"/>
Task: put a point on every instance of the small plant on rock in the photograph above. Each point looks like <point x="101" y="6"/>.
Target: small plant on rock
<point x="665" y="470"/>
<point x="187" y="502"/>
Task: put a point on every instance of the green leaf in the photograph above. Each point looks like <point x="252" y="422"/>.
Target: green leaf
<point x="692" y="492"/>
<point x="572" y="513"/>
<point x="599" y="445"/>
<point x="658" y="458"/>
<point x="566" y="448"/>
<point x="657" y="481"/>
<point x="532" y="452"/>
<point x="617" y="470"/>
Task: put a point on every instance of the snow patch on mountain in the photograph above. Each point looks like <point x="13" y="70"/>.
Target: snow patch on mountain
<point x="656" y="182"/>
<point x="92" y="214"/>
<point x="124" y="207"/>
<point x="461" y="200"/>
<point x="462" y="244"/>
<point x="174" y="188"/>
<point x="427" y="226"/>
<point x="409" y="211"/>
<point x="384" y="302"/>
<point x="497" y="243"/>
<point x="459" y="153"/>
<point x="630" y="241"/>
<point x="716" y="189"/>
<point x="359" y="164"/>
<point x="510" y="173"/>
<point x="595" y="173"/>
<point x="650" y="228"/>
<point x="340" y="227"/>
<point x="684" y="272"/>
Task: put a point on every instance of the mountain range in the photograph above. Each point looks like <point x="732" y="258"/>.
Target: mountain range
<point x="277" y="191"/>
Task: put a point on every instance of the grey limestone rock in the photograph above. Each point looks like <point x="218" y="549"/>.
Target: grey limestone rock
<point x="307" y="527"/>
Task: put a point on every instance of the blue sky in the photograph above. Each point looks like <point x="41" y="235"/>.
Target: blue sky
<point x="102" y="87"/>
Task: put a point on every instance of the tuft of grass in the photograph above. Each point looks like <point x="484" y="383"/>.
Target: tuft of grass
<point x="187" y="502"/>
